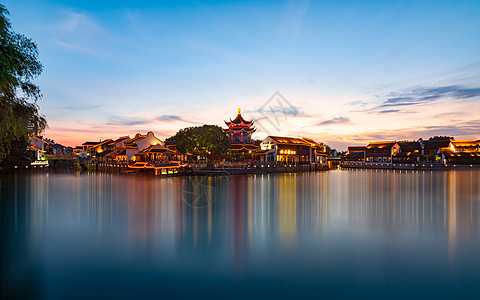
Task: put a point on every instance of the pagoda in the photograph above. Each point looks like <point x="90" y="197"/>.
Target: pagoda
<point x="239" y="132"/>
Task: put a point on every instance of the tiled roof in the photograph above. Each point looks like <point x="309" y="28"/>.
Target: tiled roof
<point x="238" y="147"/>
<point x="381" y="145"/>
<point x="312" y="142"/>
<point x="288" y="140"/>
<point x="101" y="143"/>
<point x="157" y="148"/>
<point x="239" y="120"/>
<point x="410" y="146"/>
<point x="356" y="148"/>
<point x="122" y="138"/>
<point x="239" y="128"/>
<point x="354" y="155"/>
<point x="465" y="143"/>
<point x="435" y="144"/>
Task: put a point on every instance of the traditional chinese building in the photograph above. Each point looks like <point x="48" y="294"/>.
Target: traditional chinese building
<point x="465" y="152"/>
<point x="355" y="154"/>
<point x="288" y="150"/>
<point x="381" y="152"/>
<point x="239" y="132"/>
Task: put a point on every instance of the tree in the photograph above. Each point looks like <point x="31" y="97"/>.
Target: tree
<point x="19" y="116"/>
<point x="201" y="140"/>
<point x="441" y="138"/>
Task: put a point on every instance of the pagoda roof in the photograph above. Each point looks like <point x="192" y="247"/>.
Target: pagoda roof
<point x="241" y="147"/>
<point x="239" y="121"/>
<point x="240" y="128"/>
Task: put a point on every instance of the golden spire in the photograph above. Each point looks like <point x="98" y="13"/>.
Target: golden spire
<point x="239" y="110"/>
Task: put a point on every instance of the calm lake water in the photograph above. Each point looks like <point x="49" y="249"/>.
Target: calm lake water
<point x="339" y="234"/>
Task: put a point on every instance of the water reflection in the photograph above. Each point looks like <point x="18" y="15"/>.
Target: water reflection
<point x="304" y="233"/>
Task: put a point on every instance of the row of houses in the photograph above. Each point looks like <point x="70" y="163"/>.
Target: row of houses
<point x="445" y="151"/>
<point x="273" y="150"/>
<point x="148" y="148"/>
<point x="141" y="148"/>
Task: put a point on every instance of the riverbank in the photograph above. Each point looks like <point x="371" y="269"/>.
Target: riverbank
<point x="208" y="169"/>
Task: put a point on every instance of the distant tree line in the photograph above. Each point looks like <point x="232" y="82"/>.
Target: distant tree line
<point x="19" y="116"/>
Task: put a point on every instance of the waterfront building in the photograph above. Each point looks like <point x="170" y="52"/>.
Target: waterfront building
<point x="140" y="142"/>
<point x="289" y="150"/>
<point x="431" y="147"/>
<point x="100" y="149"/>
<point x="355" y="154"/>
<point x="460" y="152"/>
<point x="157" y="154"/>
<point x="410" y="152"/>
<point x="381" y="152"/>
<point x="239" y="131"/>
<point x="38" y="145"/>
<point x="87" y="145"/>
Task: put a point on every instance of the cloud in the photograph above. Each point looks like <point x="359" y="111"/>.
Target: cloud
<point x="357" y="103"/>
<point x="80" y="108"/>
<point x="78" y="32"/>
<point x="285" y="111"/>
<point x="130" y="121"/>
<point x="169" y="118"/>
<point x="387" y="111"/>
<point x="336" y="120"/>
<point x="308" y="80"/>
<point x="426" y="95"/>
<point x="291" y="24"/>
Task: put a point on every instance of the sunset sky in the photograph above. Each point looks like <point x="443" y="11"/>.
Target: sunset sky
<point x="341" y="72"/>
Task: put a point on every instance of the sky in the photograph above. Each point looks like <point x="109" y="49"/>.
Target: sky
<point x="341" y="72"/>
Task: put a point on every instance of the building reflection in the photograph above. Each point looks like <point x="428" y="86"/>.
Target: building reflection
<point x="287" y="208"/>
<point x="241" y="215"/>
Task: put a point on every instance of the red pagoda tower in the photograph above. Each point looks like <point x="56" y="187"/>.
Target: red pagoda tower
<point x="240" y="133"/>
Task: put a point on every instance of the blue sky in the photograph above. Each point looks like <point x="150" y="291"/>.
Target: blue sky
<point x="351" y="71"/>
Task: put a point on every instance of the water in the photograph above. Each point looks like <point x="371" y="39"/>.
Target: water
<point x="338" y="234"/>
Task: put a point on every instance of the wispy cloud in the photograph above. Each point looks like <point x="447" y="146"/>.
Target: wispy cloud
<point x="291" y="24"/>
<point x="169" y="118"/>
<point x="80" y="108"/>
<point x="388" y="111"/>
<point x="336" y="120"/>
<point x="357" y="103"/>
<point x="126" y="121"/>
<point x="426" y="95"/>
<point x="78" y="32"/>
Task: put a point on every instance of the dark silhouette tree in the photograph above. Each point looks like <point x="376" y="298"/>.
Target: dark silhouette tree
<point x="19" y="116"/>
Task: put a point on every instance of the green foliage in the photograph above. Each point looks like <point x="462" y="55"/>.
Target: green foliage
<point x="201" y="140"/>
<point x="257" y="142"/>
<point x="19" y="116"/>
<point x="441" y="138"/>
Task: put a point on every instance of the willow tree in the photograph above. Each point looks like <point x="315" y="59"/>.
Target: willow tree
<point x="19" y="116"/>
